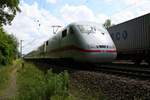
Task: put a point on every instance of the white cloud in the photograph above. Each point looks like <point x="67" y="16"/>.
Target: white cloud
<point x="52" y="1"/>
<point x="108" y="1"/>
<point x="135" y="9"/>
<point x="121" y="17"/>
<point x="133" y="2"/>
<point x="127" y="2"/>
<point x="143" y="8"/>
<point x="101" y="18"/>
<point x="33" y="25"/>
<point x="72" y="13"/>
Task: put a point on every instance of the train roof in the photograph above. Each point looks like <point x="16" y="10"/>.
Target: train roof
<point x="86" y="23"/>
<point x="82" y="23"/>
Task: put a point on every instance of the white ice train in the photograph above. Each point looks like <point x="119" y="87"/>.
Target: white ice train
<point x="82" y="41"/>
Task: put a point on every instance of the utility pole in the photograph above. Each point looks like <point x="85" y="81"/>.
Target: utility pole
<point x="55" y="26"/>
<point x="22" y="62"/>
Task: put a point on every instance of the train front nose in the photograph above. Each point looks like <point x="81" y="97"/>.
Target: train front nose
<point x="96" y="44"/>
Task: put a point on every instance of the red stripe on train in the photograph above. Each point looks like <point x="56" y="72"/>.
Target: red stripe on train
<point x="72" y="47"/>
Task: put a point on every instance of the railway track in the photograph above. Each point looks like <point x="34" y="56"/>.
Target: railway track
<point x="127" y="70"/>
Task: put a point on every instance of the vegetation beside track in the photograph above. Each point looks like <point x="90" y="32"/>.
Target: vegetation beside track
<point x="4" y="76"/>
<point x="33" y="84"/>
<point x="7" y="80"/>
<point x="8" y="47"/>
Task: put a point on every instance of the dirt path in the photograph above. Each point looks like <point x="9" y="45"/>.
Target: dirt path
<point x="10" y="90"/>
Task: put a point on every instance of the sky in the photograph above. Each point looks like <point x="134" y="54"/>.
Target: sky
<point x="33" y="23"/>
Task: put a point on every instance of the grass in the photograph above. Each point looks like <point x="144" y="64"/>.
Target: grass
<point x="4" y="77"/>
<point x="33" y="84"/>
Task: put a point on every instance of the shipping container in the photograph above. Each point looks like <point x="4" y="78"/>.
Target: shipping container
<point x="132" y="38"/>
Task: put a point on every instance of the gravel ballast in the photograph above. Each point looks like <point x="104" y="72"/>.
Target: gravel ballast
<point x="112" y="86"/>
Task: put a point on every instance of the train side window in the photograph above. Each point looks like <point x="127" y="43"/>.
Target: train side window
<point x="46" y="43"/>
<point x="64" y="33"/>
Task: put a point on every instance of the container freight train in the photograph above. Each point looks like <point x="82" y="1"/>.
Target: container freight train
<point x="83" y="41"/>
<point x="132" y="39"/>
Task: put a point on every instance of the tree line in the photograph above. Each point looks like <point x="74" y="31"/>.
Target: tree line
<point x="8" y="43"/>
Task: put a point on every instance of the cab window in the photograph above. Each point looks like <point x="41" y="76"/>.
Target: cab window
<point x="87" y="28"/>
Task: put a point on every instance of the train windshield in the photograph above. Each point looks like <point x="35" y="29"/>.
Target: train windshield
<point x="88" y="29"/>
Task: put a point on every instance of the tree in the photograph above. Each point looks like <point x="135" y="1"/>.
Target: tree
<point x="8" y="9"/>
<point x="8" y="47"/>
<point x="107" y="23"/>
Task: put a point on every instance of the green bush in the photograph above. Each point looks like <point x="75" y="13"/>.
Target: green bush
<point x="8" y="47"/>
